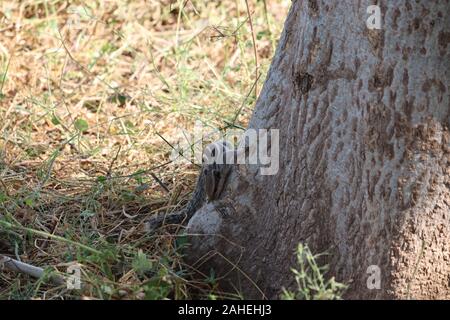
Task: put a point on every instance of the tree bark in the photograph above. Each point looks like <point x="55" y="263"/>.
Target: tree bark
<point x="364" y="157"/>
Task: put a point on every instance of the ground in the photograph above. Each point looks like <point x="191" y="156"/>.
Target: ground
<point x="94" y="95"/>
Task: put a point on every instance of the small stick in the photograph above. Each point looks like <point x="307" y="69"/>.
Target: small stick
<point x="36" y="272"/>
<point x="4" y="187"/>
<point x="255" y="50"/>
<point x="108" y="174"/>
<point x="160" y="182"/>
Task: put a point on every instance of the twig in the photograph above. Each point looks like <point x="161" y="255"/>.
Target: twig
<point x="254" y="46"/>
<point x="244" y="101"/>
<point x="173" y="147"/>
<point x="83" y="68"/>
<point x="142" y="171"/>
<point x="266" y="17"/>
<point x="160" y="182"/>
<point x="35" y="272"/>
<point x="108" y="174"/>
<point x="4" y="187"/>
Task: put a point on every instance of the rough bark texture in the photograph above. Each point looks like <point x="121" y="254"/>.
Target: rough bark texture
<point x="364" y="156"/>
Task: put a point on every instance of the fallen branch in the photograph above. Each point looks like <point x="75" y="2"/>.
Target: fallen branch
<point x="22" y="267"/>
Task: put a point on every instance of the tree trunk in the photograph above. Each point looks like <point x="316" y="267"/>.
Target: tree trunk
<point x="364" y="157"/>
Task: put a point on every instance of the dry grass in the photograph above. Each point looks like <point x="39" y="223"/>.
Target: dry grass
<point x="89" y="92"/>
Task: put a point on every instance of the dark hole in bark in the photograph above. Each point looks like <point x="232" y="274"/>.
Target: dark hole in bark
<point x="314" y="7"/>
<point x="304" y="82"/>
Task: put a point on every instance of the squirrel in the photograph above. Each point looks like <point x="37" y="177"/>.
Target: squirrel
<point x="210" y="185"/>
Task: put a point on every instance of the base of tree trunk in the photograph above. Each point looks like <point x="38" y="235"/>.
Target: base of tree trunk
<point x="364" y="158"/>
